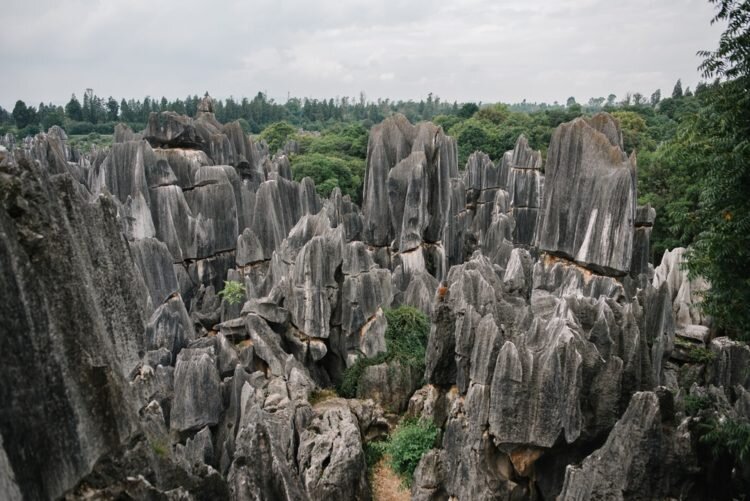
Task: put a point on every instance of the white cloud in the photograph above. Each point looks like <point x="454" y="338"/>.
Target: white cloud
<point x="539" y="50"/>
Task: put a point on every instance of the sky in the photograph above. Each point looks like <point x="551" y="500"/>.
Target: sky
<point x="463" y="50"/>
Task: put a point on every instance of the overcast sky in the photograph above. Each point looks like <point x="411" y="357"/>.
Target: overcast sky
<point x="465" y="50"/>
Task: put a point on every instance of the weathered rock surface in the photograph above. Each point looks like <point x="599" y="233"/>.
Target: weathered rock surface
<point x="330" y="455"/>
<point x="589" y="204"/>
<point x="551" y="365"/>
<point x="631" y="464"/>
<point x="73" y="322"/>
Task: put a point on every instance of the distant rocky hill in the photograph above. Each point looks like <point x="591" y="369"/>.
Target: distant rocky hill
<point x="560" y="362"/>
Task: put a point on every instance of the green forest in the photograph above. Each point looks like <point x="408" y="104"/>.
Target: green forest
<point x="691" y="145"/>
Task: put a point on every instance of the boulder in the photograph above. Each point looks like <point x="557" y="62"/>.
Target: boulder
<point x="330" y="455"/>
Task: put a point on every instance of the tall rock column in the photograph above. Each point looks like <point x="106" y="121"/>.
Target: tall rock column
<point x="588" y="212"/>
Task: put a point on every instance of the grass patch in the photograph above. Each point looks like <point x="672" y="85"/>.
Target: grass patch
<point x="406" y="343"/>
<point x="160" y="449"/>
<point x="322" y="395"/>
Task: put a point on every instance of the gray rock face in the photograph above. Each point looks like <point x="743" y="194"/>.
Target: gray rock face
<point x="262" y="469"/>
<point x="330" y="456"/>
<point x="407" y="183"/>
<point x="590" y="196"/>
<point x="685" y="292"/>
<point x="124" y="174"/>
<point x="390" y="384"/>
<point x="197" y="397"/>
<point x="154" y="262"/>
<point x="170" y="327"/>
<point x="526" y="188"/>
<point x="184" y="163"/>
<point x="631" y="463"/>
<point x="72" y="331"/>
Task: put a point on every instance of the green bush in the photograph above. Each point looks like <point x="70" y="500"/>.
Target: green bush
<point x="330" y="171"/>
<point x="406" y="343"/>
<point x="350" y="381"/>
<point x="408" y="444"/>
<point x="233" y="291"/>
<point x="694" y="404"/>
<point x="374" y="452"/>
<point x="701" y="355"/>
<point x="727" y="435"/>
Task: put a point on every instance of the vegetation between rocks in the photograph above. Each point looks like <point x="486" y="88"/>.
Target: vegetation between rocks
<point x="406" y="342"/>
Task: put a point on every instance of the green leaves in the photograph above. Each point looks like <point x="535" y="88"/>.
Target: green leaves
<point x="725" y="435"/>
<point x="233" y="292"/>
<point x="406" y="343"/>
<point x="277" y="134"/>
<point x="411" y="440"/>
<point x="329" y="171"/>
<point x="721" y="126"/>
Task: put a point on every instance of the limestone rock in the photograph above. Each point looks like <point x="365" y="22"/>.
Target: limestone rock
<point x="197" y="400"/>
<point x="330" y="456"/>
<point x="72" y="330"/>
<point x="589" y="203"/>
<point x="170" y="327"/>
<point x="407" y="183"/>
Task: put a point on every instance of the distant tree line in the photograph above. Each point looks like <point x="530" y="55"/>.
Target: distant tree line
<point x="97" y="114"/>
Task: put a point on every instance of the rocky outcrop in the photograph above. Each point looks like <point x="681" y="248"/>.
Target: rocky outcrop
<point x="588" y="211"/>
<point x="73" y="323"/>
<point x="556" y="363"/>
<point x="408" y="188"/>
<point x="631" y="464"/>
<point x="330" y="454"/>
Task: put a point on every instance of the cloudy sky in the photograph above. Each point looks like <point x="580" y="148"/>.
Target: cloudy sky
<point x="465" y="50"/>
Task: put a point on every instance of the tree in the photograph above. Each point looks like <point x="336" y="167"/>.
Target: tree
<point x="655" y="97"/>
<point x="54" y="116"/>
<point x="468" y="110"/>
<point x="22" y="114"/>
<point x="677" y="91"/>
<point x="722" y="252"/>
<point x="277" y="134"/>
<point x="611" y="100"/>
<point x="73" y="109"/>
<point x="570" y="102"/>
<point x="112" y="109"/>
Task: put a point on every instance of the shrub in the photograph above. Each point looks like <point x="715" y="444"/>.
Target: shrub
<point x="406" y="335"/>
<point x="409" y="443"/>
<point x="701" y="355"/>
<point x="233" y="292"/>
<point x="406" y="343"/>
<point x="694" y="404"/>
<point x="350" y="380"/>
<point x="725" y="435"/>
<point x="374" y="452"/>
